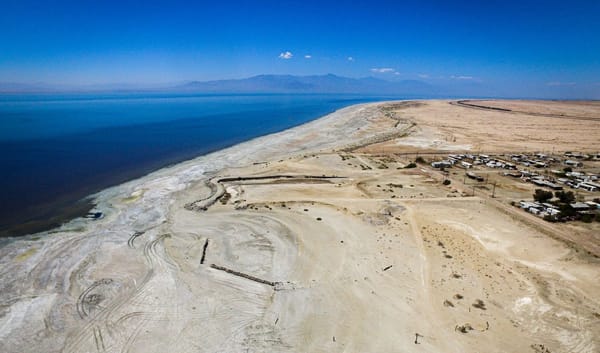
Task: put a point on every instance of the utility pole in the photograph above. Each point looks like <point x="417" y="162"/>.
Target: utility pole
<point x="494" y="190"/>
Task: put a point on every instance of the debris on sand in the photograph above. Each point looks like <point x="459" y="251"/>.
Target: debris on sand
<point x="465" y="328"/>
<point x="540" y="348"/>
<point x="243" y="275"/>
<point x="479" y="304"/>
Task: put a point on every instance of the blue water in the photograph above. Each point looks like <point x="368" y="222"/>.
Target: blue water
<point x="57" y="149"/>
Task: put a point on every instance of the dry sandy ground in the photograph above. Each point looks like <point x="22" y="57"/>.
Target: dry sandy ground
<point x="303" y="242"/>
<point x="561" y="109"/>
<point x="443" y="125"/>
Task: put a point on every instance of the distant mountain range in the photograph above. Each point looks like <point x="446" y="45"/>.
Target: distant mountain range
<point x="257" y="84"/>
<point x="310" y="84"/>
<point x="290" y="84"/>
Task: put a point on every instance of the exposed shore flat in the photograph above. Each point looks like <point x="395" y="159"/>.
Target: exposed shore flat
<point x="316" y="239"/>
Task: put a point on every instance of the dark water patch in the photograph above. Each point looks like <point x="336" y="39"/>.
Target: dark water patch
<point x="46" y="217"/>
<point x="64" y="150"/>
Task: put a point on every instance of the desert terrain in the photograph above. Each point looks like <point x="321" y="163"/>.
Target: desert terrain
<point x="320" y="239"/>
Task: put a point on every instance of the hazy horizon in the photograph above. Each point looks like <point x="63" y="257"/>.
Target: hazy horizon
<point x="528" y="48"/>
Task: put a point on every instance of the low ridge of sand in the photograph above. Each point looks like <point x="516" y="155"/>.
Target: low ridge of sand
<point x="318" y="239"/>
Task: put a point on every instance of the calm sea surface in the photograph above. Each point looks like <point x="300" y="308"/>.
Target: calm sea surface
<point x="57" y="149"/>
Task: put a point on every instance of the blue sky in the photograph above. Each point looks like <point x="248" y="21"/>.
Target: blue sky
<point x="516" y="46"/>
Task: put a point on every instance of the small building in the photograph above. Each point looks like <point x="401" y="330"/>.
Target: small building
<point x="596" y="185"/>
<point x="539" y="182"/>
<point x="580" y="206"/>
<point x="573" y="163"/>
<point x="514" y="174"/>
<point x="586" y="186"/>
<point x="475" y="176"/>
<point x="526" y="204"/>
<point x="441" y="164"/>
<point x="553" y="186"/>
<point x="592" y="204"/>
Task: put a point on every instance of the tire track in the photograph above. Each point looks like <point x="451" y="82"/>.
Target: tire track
<point x="132" y="239"/>
<point x="468" y="104"/>
<point x="155" y="259"/>
<point x="81" y="300"/>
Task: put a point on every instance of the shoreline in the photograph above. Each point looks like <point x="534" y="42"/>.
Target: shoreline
<point x="76" y="210"/>
<point x="153" y="188"/>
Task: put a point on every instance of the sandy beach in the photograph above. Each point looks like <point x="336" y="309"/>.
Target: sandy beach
<point x="319" y="239"/>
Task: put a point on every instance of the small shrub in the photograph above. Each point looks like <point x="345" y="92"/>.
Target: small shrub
<point x="542" y="195"/>
<point x="587" y="218"/>
<point x="411" y="165"/>
<point x="565" y="196"/>
<point x="420" y="160"/>
<point x="446" y="182"/>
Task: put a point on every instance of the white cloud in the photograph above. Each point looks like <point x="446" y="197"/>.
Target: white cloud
<point x="307" y="56"/>
<point x="558" y="83"/>
<point x="461" y="77"/>
<point x="382" y="70"/>
<point x="286" y="55"/>
<point x="385" y="70"/>
<point x="423" y="75"/>
<point x="350" y="58"/>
